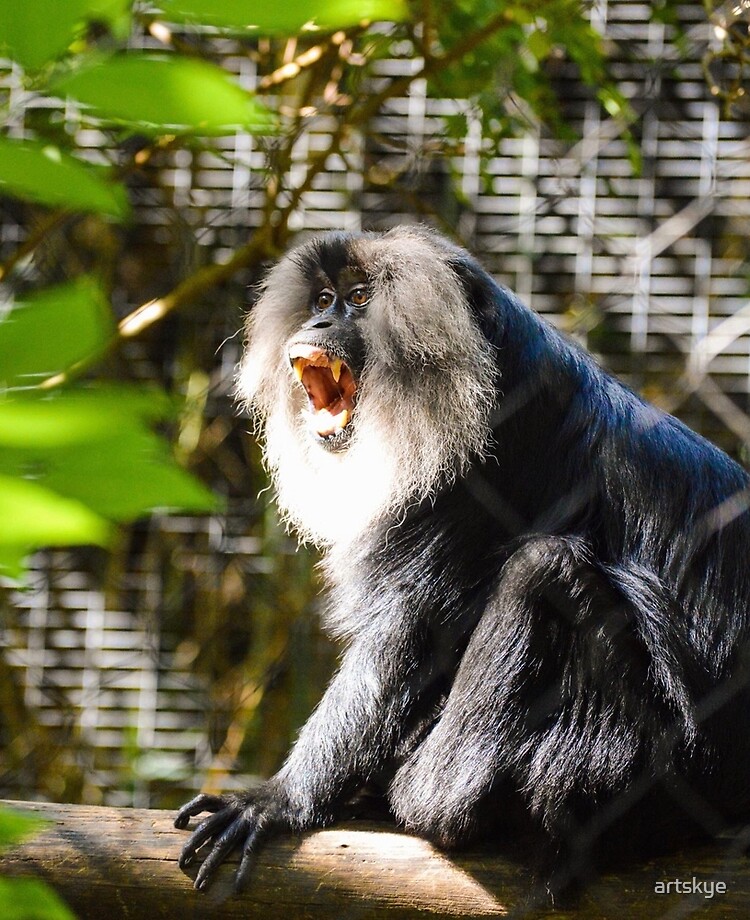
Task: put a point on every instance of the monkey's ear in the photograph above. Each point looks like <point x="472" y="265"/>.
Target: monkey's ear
<point x="485" y="297"/>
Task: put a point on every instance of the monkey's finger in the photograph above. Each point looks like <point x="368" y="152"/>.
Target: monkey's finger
<point x="254" y="837"/>
<point x="222" y="847"/>
<point x="202" y="802"/>
<point x="207" y="829"/>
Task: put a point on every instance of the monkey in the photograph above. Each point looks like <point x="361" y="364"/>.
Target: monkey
<point x="540" y="580"/>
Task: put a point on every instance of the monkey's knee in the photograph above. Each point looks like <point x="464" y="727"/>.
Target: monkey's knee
<point x="434" y="799"/>
<point x="432" y="818"/>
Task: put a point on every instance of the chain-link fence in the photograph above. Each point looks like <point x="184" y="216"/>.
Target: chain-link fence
<point x="191" y="650"/>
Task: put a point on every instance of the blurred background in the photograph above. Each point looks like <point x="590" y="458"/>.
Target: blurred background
<point x="154" y="159"/>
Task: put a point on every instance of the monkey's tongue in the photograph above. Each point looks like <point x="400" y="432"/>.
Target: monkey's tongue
<point x="326" y="423"/>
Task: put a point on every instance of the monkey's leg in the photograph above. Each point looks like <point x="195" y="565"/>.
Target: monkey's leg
<point x="557" y="693"/>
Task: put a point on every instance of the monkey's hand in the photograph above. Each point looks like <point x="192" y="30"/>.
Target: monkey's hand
<point x="235" y="820"/>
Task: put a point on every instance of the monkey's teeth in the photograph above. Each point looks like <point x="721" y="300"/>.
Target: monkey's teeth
<point x="336" y="368"/>
<point x="299" y="366"/>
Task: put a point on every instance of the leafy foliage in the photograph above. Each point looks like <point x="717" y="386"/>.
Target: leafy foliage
<point x="76" y="460"/>
<point x="294" y="16"/>
<point x="36" y="33"/>
<point x="45" y="174"/>
<point x="194" y="96"/>
<point x="67" y="324"/>
<point x="20" y="898"/>
<point x="510" y="65"/>
<point x="31" y="899"/>
<point x="15" y="827"/>
<point x="82" y="446"/>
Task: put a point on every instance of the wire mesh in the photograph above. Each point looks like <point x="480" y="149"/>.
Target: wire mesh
<point x="648" y="268"/>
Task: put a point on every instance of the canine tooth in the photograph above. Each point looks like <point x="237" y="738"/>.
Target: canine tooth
<point x="298" y="366"/>
<point x="336" y="368"/>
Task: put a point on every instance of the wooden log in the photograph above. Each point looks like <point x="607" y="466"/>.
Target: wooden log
<point x="117" y="863"/>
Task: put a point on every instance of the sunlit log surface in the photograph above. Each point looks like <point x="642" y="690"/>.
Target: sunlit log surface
<point x="122" y="863"/>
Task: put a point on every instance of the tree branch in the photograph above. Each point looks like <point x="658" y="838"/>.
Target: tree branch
<point x="274" y="234"/>
<point x="121" y="863"/>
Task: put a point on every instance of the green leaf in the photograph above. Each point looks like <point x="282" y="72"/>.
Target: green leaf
<point x="125" y="477"/>
<point x="51" y="331"/>
<point x="285" y="19"/>
<point x="78" y="416"/>
<point x="31" y="899"/>
<point x="13" y="562"/>
<point x="34" y="32"/>
<point x="74" y="460"/>
<point x="165" y="94"/>
<point x="15" y="826"/>
<point x="33" y="515"/>
<point x="95" y="445"/>
<point x="539" y="44"/>
<point x="43" y="173"/>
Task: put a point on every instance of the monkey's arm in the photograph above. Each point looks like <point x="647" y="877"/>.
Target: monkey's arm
<point x="354" y="731"/>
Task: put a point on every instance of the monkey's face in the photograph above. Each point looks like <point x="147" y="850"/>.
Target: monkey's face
<point x="327" y="354"/>
<point x="369" y="376"/>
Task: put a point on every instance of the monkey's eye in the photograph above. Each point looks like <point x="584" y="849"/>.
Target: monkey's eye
<point x="324" y="300"/>
<point x="359" y="296"/>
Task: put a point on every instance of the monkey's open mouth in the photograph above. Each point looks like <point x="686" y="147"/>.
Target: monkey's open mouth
<point x="330" y="388"/>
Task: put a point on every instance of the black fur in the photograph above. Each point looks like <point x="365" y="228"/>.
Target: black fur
<point x="565" y="627"/>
